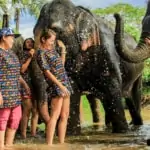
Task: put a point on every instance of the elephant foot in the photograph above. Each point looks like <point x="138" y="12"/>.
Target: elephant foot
<point x="148" y="142"/>
<point x="119" y="129"/>
<point x="131" y="122"/>
<point x="108" y="125"/>
<point x="75" y="132"/>
<point x="137" y="121"/>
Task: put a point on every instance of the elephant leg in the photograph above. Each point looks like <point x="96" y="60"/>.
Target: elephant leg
<point x="74" y="127"/>
<point x="136" y="119"/>
<point x="107" y="117"/>
<point x="136" y="97"/>
<point x="115" y="108"/>
<point x="95" y="107"/>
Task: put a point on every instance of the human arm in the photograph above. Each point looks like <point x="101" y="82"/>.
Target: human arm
<point x="63" y="50"/>
<point x="1" y="99"/>
<point x="51" y="77"/>
<point x="45" y="67"/>
<point x="26" y="62"/>
<point x="25" y="85"/>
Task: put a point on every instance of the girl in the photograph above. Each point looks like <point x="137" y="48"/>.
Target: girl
<point x="59" y="87"/>
<point x="10" y="79"/>
<point x="28" y="100"/>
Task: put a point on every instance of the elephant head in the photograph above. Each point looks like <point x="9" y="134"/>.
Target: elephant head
<point x="73" y="25"/>
<point x="142" y="50"/>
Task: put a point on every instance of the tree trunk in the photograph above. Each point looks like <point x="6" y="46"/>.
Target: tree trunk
<point x="5" y="21"/>
<point x="17" y="19"/>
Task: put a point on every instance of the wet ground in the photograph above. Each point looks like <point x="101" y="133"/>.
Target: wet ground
<point x="96" y="139"/>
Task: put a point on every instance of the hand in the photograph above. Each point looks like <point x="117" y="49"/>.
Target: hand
<point x="1" y="99"/>
<point x="147" y="41"/>
<point x="31" y="52"/>
<point x="65" y="91"/>
<point x="61" y="44"/>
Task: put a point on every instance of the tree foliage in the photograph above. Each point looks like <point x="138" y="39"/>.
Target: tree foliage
<point x="132" y="16"/>
<point x="132" y="24"/>
<point x="14" y="8"/>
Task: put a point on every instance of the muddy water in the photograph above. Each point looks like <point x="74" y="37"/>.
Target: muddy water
<point x="95" y="139"/>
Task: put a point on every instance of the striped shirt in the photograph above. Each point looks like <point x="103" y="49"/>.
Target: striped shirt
<point x="9" y="78"/>
<point x="50" y="60"/>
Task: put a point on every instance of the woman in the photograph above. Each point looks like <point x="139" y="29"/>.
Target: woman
<point x="59" y="89"/>
<point x="10" y="79"/>
<point x="29" y="102"/>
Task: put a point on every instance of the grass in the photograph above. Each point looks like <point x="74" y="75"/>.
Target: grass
<point x="87" y="115"/>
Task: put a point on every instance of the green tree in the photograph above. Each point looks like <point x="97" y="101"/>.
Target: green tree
<point x="16" y="7"/>
<point x="132" y="16"/>
<point x="132" y="24"/>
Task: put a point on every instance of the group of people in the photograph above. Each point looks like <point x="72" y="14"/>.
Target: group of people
<point x="17" y="96"/>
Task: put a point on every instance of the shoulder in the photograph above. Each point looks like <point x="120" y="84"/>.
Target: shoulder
<point x="1" y="52"/>
<point x="12" y="53"/>
<point x="39" y="52"/>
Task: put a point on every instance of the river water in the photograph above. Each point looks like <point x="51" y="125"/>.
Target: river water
<point x="95" y="139"/>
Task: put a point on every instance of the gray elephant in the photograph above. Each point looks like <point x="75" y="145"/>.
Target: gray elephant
<point x="94" y="67"/>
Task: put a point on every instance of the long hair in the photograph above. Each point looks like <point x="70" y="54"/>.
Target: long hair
<point x="24" y="44"/>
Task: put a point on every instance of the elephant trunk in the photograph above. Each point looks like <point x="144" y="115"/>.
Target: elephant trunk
<point x="137" y="55"/>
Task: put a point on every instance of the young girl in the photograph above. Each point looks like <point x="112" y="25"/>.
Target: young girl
<point x="29" y="102"/>
<point x="59" y="87"/>
<point x="10" y="79"/>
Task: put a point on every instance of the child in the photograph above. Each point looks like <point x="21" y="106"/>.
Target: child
<point x="59" y="89"/>
<point x="10" y="79"/>
<point x="28" y="100"/>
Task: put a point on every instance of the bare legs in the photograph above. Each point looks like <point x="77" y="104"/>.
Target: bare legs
<point x="2" y="139"/>
<point x="59" y="108"/>
<point x="8" y="138"/>
<point x="62" y="125"/>
<point x="27" y="107"/>
<point x="10" y="134"/>
<point x="34" y="119"/>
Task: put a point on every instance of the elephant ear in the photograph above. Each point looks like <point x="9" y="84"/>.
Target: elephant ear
<point x="87" y="27"/>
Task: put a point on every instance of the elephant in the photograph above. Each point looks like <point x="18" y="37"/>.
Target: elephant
<point x="96" y="68"/>
<point x="142" y="50"/>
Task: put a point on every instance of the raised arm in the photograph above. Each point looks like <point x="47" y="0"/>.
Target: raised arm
<point x="63" y="51"/>
<point x="27" y="61"/>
